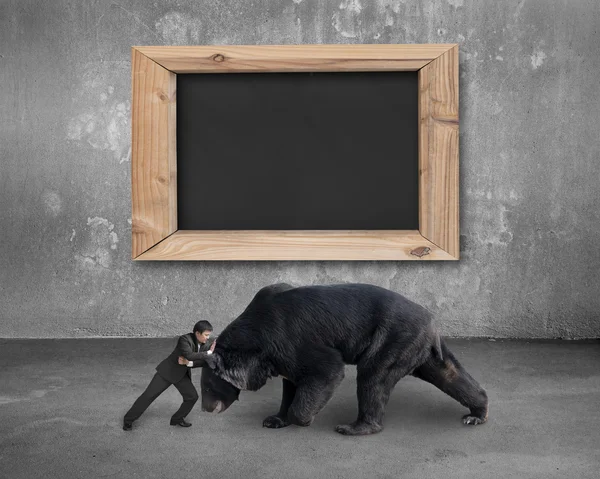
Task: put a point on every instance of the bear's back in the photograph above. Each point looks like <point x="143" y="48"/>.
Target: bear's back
<point x="343" y="316"/>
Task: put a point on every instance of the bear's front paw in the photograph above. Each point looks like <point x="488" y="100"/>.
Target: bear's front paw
<point x="275" y="422"/>
<point x="358" y="429"/>
<point x="473" y="420"/>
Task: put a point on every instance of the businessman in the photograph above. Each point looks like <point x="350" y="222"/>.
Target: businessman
<point x="190" y="352"/>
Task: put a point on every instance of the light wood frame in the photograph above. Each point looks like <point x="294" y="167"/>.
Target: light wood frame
<point x="154" y="165"/>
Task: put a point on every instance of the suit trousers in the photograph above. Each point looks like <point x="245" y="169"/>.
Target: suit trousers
<point x="156" y="387"/>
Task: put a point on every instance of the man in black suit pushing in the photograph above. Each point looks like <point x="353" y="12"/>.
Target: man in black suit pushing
<point x="190" y="352"/>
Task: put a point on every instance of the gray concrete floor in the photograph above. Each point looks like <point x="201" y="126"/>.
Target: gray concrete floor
<point x="62" y="402"/>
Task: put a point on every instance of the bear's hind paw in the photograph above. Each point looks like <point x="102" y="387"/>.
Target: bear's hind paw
<point x="473" y="420"/>
<point x="274" y="422"/>
<point x="358" y="429"/>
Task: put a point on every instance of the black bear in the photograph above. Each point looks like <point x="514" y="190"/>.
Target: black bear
<point x="308" y="334"/>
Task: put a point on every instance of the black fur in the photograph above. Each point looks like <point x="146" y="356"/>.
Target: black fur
<point x="307" y="334"/>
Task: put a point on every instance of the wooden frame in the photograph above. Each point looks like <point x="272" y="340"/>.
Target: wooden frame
<point x="154" y="166"/>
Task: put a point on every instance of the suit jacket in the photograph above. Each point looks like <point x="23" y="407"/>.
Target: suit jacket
<point x="187" y="346"/>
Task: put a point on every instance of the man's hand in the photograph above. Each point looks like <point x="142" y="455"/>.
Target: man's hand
<point x="212" y="346"/>
<point x="183" y="361"/>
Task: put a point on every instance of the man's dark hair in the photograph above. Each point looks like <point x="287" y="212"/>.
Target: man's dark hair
<point x="202" y="326"/>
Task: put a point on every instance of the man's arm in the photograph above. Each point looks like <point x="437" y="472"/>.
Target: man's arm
<point x="186" y="350"/>
<point x="189" y="357"/>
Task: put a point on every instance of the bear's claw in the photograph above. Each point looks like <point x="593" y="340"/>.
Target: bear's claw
<point x="472" y="420"/>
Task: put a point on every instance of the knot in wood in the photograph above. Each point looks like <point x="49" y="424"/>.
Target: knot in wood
<point x="420" y="251"/>
<point x="218" y="58"/>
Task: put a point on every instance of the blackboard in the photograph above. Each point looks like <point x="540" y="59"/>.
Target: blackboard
<point x="302" y="150"/>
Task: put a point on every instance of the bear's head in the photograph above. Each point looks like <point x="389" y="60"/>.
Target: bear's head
<point x="217" y="394"/>
<point x="228" y="371"/>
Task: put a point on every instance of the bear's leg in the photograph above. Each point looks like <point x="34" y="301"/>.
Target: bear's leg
<point x="325" y="371"/>
<point x="373" y="390"/>
<point x="280" y="419"/>
<point x="311" y="396"/>
<point x="449" y="376"/>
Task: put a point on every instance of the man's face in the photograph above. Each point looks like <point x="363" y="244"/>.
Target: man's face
<point x="203" y="336"/>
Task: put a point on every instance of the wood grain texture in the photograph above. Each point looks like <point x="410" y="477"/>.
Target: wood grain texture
<point x="153" y="153"/>
<point x="287" y="58"/>
<point x="154" y="170"/>
<point x="438" y="152"/>
<point x="295" y="245"/>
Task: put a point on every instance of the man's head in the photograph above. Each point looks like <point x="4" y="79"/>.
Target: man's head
<point x="202" y="330"/>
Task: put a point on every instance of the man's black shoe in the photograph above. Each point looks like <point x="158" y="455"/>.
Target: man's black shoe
<point x="181" y="422"/>
<point x="126" y="426"/>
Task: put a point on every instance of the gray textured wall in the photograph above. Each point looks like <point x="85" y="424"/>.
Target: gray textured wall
<point x="530" y="196"/>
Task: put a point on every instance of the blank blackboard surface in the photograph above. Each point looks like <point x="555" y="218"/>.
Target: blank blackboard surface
<point x="326" y="150"/>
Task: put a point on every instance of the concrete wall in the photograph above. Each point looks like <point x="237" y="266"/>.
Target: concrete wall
<point x="530" y="189"/>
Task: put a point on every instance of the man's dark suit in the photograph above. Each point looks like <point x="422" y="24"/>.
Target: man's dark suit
<point x="170" y="372"/>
